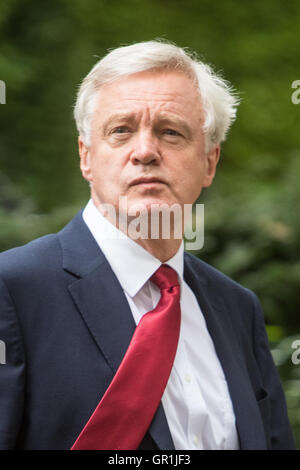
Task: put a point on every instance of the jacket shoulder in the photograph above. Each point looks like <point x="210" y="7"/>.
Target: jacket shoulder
<point x="40" y="252"/>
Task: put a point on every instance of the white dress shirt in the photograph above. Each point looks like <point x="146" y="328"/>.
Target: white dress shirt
<point x="196" y="400"/>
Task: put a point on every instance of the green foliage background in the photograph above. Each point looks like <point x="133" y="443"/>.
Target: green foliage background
<point x="252" y="226"/>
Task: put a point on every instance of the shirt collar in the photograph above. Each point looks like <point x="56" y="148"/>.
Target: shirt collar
<point x="132" y="264"/>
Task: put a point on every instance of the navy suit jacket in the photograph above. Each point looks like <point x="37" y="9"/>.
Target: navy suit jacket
<point x="66" y="325"/>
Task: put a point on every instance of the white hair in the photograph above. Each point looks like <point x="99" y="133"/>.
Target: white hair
<point x="219" y="101"/>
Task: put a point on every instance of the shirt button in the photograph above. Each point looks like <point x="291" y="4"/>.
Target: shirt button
<point x="188" y="378"/>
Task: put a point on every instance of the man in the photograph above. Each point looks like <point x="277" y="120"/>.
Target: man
<point x="116" y="340"/>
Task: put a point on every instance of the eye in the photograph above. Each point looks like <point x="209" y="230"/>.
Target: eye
<point x="172" y="132"/>
<point x="120" y="130"/>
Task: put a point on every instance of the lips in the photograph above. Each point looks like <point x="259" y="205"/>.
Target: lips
<point x="146" y="180"/>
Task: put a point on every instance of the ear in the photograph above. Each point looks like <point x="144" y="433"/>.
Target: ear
<point x="85" y="160"/>
<point x="212" y="158"/>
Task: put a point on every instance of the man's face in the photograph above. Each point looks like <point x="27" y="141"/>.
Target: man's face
<point x="147" y="142"/>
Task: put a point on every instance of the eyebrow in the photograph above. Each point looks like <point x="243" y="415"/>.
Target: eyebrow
<point x="115" y="118"/>
<point x="177" y="121"/>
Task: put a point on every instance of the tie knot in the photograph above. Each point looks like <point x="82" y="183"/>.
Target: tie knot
<point x="165" y="277"/>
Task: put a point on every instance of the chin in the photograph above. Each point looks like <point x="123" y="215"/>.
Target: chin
<point x="149" y="205"/>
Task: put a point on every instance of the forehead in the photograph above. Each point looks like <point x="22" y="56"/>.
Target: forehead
<point x="154" y="91"/>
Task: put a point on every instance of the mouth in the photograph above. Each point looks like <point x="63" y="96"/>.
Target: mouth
<point x="146" y="181"/>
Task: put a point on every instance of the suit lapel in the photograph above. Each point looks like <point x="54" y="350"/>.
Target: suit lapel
<point x="96" y="292"/>
<point x="103" y="306"/>
<point x="105" y="311"/>
<point x="248" y="420"/>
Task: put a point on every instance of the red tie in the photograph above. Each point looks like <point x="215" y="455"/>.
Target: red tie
<point x="127" y="408"/>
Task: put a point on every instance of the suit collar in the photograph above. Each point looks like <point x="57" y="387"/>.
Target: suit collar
<point x="80" y="252"/>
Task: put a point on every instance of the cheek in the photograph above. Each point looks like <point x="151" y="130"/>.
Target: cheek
<point x="107" y="176"/>
<point x="191" y="169"/>
<point x="191" y="178"/>
<point x="101" y="165"/>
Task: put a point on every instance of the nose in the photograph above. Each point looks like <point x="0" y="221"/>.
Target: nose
<point x="145" y="150"/>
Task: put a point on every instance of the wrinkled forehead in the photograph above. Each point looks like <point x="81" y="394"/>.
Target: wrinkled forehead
<point x="153" y="91"/>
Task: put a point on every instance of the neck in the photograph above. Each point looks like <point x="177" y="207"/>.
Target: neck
<point x="158" y="245"/>
<point x="161" y="249"/>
